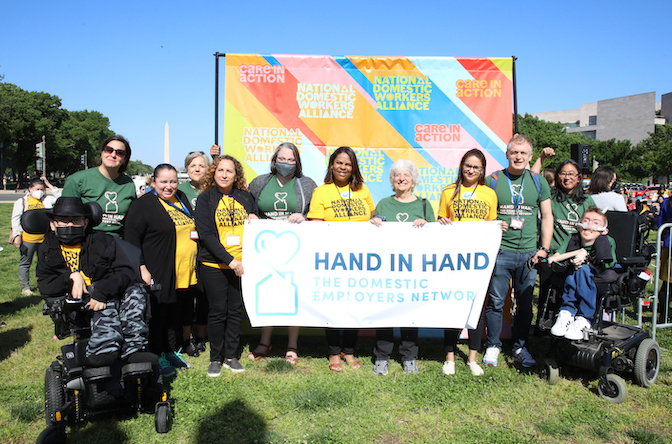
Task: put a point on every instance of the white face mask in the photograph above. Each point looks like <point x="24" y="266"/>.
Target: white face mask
<point x="37" y="194"/>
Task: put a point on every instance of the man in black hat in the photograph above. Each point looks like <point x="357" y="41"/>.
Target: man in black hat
<point x="85" y="264"/>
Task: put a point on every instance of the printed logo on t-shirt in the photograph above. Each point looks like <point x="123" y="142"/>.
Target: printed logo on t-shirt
<point x="111" y="206"/>
<point x="572" y="215"/>
<point x="515" y="188"/>
<point x="402" y="217"/>
<point x="281" y="203"/>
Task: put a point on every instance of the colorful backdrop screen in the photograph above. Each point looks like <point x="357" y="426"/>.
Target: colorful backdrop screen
<point x="430" y="110"/>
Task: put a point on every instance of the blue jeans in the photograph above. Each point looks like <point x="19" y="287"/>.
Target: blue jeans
<point x="510" y="266"/>
<point x="580" y="293"/>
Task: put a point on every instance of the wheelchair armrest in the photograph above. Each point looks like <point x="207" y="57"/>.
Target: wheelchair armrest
<point x="634" y="260"/>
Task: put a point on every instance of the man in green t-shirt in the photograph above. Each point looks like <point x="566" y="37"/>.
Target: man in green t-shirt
<point x="521" y="196"/>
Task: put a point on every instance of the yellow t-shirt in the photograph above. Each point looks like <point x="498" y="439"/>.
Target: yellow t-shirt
<point x="475" y="203"/>
<point x="33" y="204"/>
<point x="333" y="203"/>
<point x="71" y="256"/>
<point x="185" y="247"/>
<point x="230" y="217"/>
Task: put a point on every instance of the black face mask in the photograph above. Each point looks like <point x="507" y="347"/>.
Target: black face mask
<point x="70" y="235"/>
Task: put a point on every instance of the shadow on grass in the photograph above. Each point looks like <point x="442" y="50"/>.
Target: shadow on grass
<point x="11" y="340"/>
<point x="99" y="432"/>
<point x="234" y="422"/>
<point x="10" y="307"/>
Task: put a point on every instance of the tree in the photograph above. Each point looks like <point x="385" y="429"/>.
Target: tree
<point x="24" y="118"/>
<point x="82" y="131"/>
<point x="654" y="153"/>
<point x="136" y="167"/>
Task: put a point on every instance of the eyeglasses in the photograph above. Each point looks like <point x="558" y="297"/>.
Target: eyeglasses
<point x="285" y="160"/>
<point x="110" y="150"/>
<point x="472" y="167"/>
<point x="595" y="222"/>
<point x="568" y="174"/>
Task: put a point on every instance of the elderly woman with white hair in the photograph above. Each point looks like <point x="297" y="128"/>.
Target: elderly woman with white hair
<point x="403" y="206"/>
<point x="197" y="164"/>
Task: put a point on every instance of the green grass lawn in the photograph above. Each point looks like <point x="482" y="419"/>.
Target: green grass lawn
<point x="273" y="402"/>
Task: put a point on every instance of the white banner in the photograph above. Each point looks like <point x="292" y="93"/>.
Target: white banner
<point x="357" y="275"/>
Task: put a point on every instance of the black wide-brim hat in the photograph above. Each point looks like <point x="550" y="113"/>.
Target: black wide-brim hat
<point x="68" y="206"/>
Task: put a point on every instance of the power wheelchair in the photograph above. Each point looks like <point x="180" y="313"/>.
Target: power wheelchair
<point x="75" y="391"/>
<point x="609" y="347"/>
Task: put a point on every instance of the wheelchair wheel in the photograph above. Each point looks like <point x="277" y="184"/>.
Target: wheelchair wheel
<point x="163" y="417"/>
<point x="550" y="371"/>
<point x="647" y="363"/>
<point x="54" y="397"/>
<point x="614" y="390"/>
<point x="52" y="435"/>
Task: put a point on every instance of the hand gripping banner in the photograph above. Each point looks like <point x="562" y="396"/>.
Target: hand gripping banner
<point x="430" y="110"/>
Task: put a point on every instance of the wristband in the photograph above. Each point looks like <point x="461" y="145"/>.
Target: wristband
<point x="546" y="250"/>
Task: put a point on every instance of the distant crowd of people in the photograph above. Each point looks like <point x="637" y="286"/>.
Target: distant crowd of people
<point x="190" y="236"/>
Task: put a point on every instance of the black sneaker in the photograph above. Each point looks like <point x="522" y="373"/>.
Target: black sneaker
<point x="215" y="369"/>
<point x="199" y="343"/>
<point x="190" y="348"/>
<point x="233" y="365"/>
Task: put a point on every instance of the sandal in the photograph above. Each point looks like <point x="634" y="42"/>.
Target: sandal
<point x="335" y="366"/>
<point x="292" y="359"/>
<point x="256" y="355"/>
<point x="351" y="361"/>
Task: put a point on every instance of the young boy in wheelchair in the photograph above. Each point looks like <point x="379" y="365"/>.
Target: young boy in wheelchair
<point x="90" y="265"/>
<point x="592" y="255"/>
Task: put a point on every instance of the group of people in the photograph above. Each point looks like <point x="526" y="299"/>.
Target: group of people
<point x="190" y="235"/>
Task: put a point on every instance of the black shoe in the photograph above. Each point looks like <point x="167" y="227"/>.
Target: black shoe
<point x="199" y="343"/>
<point x="189" y="348"/>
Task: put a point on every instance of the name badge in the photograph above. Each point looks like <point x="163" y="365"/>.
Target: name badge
<point x="193" y="235"/>
<point x="232" y="240"/>
<point x="516" y="223"/>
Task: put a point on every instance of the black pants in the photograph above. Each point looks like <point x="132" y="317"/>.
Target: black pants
<point x="334" y="340"/>
<point x="223" y="289"/>
<point x="451" y="335"/>
<point x="408" y="348"/>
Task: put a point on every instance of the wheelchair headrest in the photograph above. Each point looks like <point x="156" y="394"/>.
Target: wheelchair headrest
<point x="623" y="228"/>
<point x="37" y="221"/>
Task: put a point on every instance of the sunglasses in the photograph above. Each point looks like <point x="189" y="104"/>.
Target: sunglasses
<point x="110" y="150"/>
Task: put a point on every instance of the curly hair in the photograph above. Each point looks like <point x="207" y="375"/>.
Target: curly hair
<point x="209" y="179"/>
<point x="356" y="180"/>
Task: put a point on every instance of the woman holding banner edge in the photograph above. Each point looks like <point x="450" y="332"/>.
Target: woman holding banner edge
<point x="403" y="206"/>
<point x="283" y="194"/>
<point x="343" y="197"/>
<point x="468" y="199"/>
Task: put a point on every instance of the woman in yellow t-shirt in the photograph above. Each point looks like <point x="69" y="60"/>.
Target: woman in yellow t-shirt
<point x="343" y="197"/>
<point x="221" y="211"/>
<point x="468" y="199"/>
<point x="161" y="224"/>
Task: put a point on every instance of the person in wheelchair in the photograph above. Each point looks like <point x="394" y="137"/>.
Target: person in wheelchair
<point x="85" y="264"/>
<point x="593" y="255"/>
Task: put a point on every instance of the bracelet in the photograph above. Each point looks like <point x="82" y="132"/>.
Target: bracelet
<point x="546" y="250"/>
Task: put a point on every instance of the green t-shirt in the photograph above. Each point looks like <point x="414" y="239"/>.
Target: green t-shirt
<point x="528" y="199"/>
<point x="277" y="202"/>
<point x="190" y="192"/>
<point x="395" y="211"/>
<point x="565" y="217"/>
<point x="589" y="249"/>
<point x="113" y="196"/>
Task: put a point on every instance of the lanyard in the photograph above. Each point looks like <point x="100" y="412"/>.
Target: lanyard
<point x="515" y="198"/>
<point x="347" y="202"/>
<point x="231" y="209"/>
<point x="182" y="209"/>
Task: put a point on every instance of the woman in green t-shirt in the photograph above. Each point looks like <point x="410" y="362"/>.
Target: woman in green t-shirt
<point x="403" y="206"/>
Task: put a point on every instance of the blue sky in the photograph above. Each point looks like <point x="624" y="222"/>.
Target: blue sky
<point x="145" y="63"/>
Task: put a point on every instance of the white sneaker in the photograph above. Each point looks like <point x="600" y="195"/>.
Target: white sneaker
<point x="564" y="320"/>
<point x="490" y="357"/>
<point x="476" y="369"/>
<point x="449" y="368"/>
<point x="576" y="328"/>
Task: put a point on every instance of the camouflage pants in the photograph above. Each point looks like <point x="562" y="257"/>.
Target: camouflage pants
<point x="120" y="329"/>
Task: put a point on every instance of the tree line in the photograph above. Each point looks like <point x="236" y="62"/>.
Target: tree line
<point x="652" y="157"/>
<point x="26" y="116"/>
